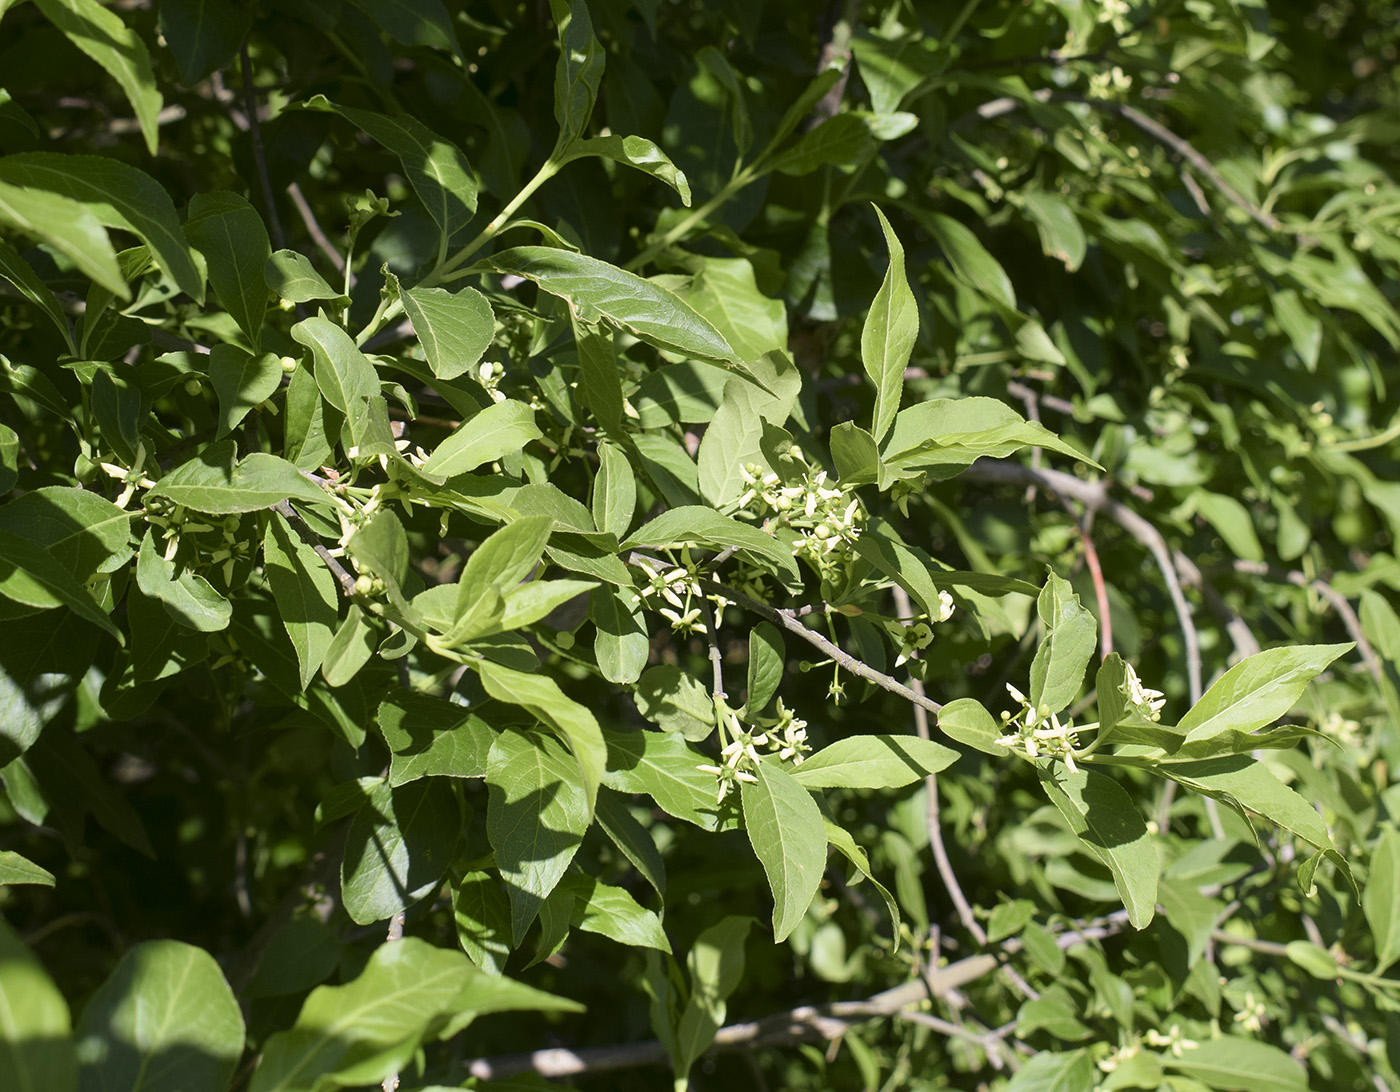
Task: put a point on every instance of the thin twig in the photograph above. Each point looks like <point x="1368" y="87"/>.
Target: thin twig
<point x="1338" y="601"/>
<point x="932" y="819"/>
<point x="711" y="618"/>
<point x="788" y="620"/>
<point x="1091" y="557"/>
<point x="313" y="228"/>
<point x="250" y="101"/>
<point x="1095" y="497"/>
<point x="395" y="932"/>
<point x="1156" y="130"/>
<point x="801" y="1024"/>
<point x="343" y="576"/>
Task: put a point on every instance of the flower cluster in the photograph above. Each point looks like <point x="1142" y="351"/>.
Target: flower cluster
<point x="914" y="637"/>
<point x="1036" y="732"/>
<point x="1148" y="702"/>
<point x="786" y="737"/>
<point x="828" y="517"/>
<point x="679" y="587"/>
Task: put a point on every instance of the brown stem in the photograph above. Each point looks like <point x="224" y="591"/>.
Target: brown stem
<point x="313" y="228"/>
<point x="932" y="820"/>
<point x="250" y="102"/>
<point x="343" y="577"/>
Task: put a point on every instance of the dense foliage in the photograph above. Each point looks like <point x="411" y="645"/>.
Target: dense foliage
<point x="794" y="546"/>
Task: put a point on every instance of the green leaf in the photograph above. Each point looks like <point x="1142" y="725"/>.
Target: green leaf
<point x="100" y="33"/>
<point x="971" y="261"/>
<point x="844" y="140"/>
<point x="430" y="737"/>
<point x="532" y="601"/>
<point x="613" y="913"/>
<point x="358" y="1033"/>
<point x="188" y="598"/>
<point x="203" y="35"/>
<point x="212" y="482"/>
<point x="349" y="383"/>
<point x="702" y="526"/>
<point x="536" y="818"/>
<point x="614" y="491"/>
<point x="638" y="152"/>
<point x="1257" y="690"/>
<point x="36" y="1044"/>
<point x="436" y="168"/>
<point x="86" y="533"/>
<point x="230" y="234"/>
<point x="241" y="381"/>
<point x="787" y="834"/>
<point x="350" y="649"/>
<point x="1050" y="1072"/>
<point x="15" y="869"/>
<point x="855" y="454"/>
<point x="726" y="292"/>
<point x="413" y="22"/>
<point x="873" y="762"/>
<point x="68" y="226"/>
<point x="967" y="721"/>
<point x="1242" y="781"/>
<point x="767" y="661"/>
<point x="165" y="1020"/>
<point x="1241" y="1065"/>
<point x="1108" y="822"/>
<point x="732" y="441"/>
<point x="596" y="290"/>
<point x="632" y="838"/>
<point x="1232" y="521"/>
<point x="496" y="431"/>
<point x="664" y="766"/>
<point x="119" y="196"/>
<point x="1317" y="961"/>
<point x="503" y="560"/>
<point x="579" y="71"/>
<point x="311" y="426"/>
<point x="454" y="328"/>
<point x="481" y="913"/>
<point x="32" y="576"/>
<point x="622" y="641"/>
<point x="944" y="435"/>
<point x="397" y="848"/>
<point x="1061" y="234"/>
<point x="1381" y="898"/>
<point x="716" y="965"/>
<point x="572" y="722"/>
<point x="21" y="274"/>
<point x="1071" y="634"/>
<point x="840" y="840"/>
<point x="42" y="662"/>
<point x="675" y="702"/>
<point x="599" y="380"/>
<point x="304" y="590"/>
<point x="889" y="333"/>
<point x="291" y="276"/>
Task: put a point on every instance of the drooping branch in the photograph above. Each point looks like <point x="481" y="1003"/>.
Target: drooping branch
<point x="1095" y="497"/>
<point x="932" y="819"/>
<point x="343" y="576"/>
<point x="802" y="1024"/>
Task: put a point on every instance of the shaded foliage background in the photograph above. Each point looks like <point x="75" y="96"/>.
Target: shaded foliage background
<point x="1166" y="230"/>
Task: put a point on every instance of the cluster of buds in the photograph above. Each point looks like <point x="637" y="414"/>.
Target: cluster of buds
<point x="1148" y="702"/>
<point x="489" y="374"/>
<point x="1035" y="732"/>
<point x="679" y="587"/>
<point x="1252" y="1014"/>
<point x="786" y="737"/>
<point x="1174" y="1040"/>
<point x="827" y="517"/>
